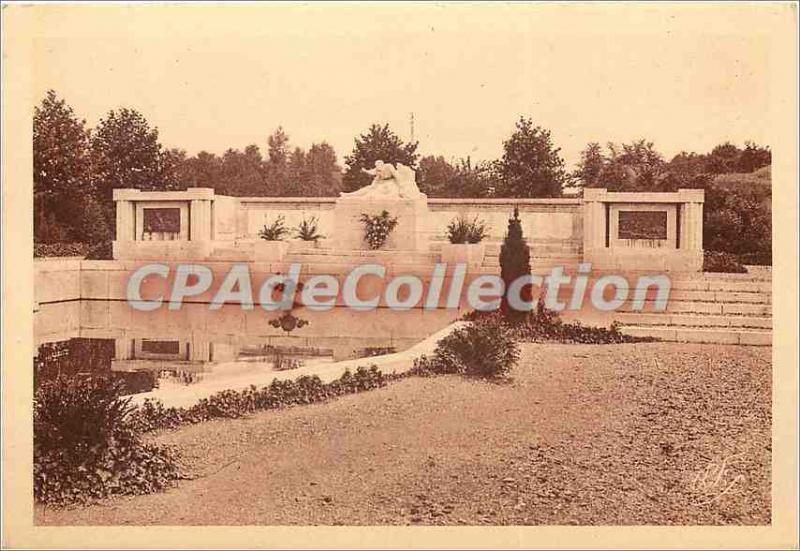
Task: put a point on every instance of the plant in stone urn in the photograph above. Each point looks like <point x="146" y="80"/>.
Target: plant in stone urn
<point x="274" y="231"/>
<point x="307" y="230"/>
<point x="460" y="230"/>
<point x="465" y="245"/>
<point x="377" y="228"/>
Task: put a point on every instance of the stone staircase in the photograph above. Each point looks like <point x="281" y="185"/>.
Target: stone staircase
<point x="703" y="307"/>
<point x="545" y="255"/>
<point x="710" y="308"/>
<point x="345" y="260"/>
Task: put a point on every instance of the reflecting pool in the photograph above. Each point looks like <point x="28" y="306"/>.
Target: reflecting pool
<point x="166" y="349"/>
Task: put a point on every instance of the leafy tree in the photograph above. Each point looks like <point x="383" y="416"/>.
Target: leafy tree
<point x="531" y="166"/>
<point x="723" y="159"/>
<point x="379" y="143"/>
<point x="278" y="159"/>
<point x="278" y="150"/>
<point x="737" y="220"/>
<point x="634" y="166"/>
<point x="475" y="180"/>
<point x="515" y="262"/>
<point x="642" y="163"/>
<point x="47" y="228"/>
<point x="754" y="157"/>
<point x="685" y="170"/>
<point x="435" y="176"/>
<point x="323" y="174"/>
<point x="438" y="178"/>
<point x="591" y="165"/>
<point x="202" y="170"/>
<point x="242" y="173"/>
<point x="125" y="154"/>
<point x="296" y="174"/>
<point x="96" y="228"/>
<point x="61" y="174"/>
<point x="173" y="174"/>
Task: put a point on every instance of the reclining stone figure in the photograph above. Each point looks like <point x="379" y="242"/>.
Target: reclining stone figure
<point x="389" y="181"/>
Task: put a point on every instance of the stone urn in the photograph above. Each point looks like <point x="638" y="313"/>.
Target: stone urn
<point x="270" y="251"/>
<point x="470" y="254"/>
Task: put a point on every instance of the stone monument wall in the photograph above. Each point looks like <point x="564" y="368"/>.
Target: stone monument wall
<point x="548" y="219"/>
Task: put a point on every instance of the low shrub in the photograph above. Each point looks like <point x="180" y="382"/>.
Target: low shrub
<point x="87" y="445"/>
<point x="485" y="348"/>
<point x="737" y="219"/>
<point x="545" y="325"/>
<point x="41" y="250"/>
<point x="461" y="230"/>
<point x="274" y="231"/>
<point x="230" y="404"/>
<point x="714" y="261"/>
<point x="377" y="228"/>
<point x="756" y="259"/>
<point x="101" y="251"/>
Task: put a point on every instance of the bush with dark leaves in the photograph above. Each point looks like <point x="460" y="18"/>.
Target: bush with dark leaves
<point x="484" y="348"/>
<point x="714" y="261"/>
<point x="101" y="251"/>
<point x="41" y="250"/>
<point x="86" y="446"/>
<point x="545" y="325"/>
<point x="230" y="404"/>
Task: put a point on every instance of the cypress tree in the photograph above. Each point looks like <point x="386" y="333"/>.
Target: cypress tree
<point x="515" y="261"/>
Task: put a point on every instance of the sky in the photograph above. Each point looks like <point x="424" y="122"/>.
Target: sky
<point x="213" y="78"/>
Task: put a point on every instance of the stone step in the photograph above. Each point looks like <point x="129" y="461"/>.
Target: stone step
<point x="754" y="337"/>
<point x="693" y="320"/>
<point x="757" y="297"/>
<point x="758" y="273"/>
<point x="546" y="251"/>
<point x="555" y="260"/>
<point x="701" y="283"/>
<point x="702" y="307"/>
<point x="356" y="257"/>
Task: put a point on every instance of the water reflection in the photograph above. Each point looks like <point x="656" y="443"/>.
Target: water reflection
<point x="195" y="346"/>
<point x="86" y="358"/>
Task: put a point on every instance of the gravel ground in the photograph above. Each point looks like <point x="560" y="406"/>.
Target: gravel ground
<point x="659" y="433"/>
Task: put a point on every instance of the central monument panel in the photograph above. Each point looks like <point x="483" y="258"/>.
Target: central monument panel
<point x="393" y="189"/>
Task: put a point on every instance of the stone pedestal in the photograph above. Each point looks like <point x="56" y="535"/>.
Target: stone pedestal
<point x="409" y="234"/>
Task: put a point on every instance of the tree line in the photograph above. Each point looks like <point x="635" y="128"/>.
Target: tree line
<point x="76" y="168"/>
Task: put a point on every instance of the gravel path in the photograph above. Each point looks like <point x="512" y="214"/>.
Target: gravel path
<point x="659" y="433"/>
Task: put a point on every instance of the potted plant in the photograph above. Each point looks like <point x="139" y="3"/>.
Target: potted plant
<point x="272" y="247"/>
<point x="308" y="230"/>
<point x="465" y="242"/>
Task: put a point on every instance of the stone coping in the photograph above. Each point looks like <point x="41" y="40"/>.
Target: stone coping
<point x="602" y="195"/>
<point x="126" y="194"/>
<point x="431" y="201"/>
<point x="590" y="194"/>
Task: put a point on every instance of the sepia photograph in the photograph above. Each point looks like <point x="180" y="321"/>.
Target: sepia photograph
<point x="492" y="268"/>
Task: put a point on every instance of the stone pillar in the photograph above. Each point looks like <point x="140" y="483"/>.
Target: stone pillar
<point x="199" y="350"/>
<point x="692" y="219"/>
<point x="200" y="220"/>
<point x="594" y="219"/>
<point x="123" y="349"/>
<point x="126" y="225"/>
<point x="242" y="219"/>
